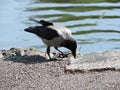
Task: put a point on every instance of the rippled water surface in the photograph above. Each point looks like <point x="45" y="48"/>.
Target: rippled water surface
<point x="95" y="24"/>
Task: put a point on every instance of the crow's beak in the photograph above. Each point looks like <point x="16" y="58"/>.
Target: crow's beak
<point x="74" y="53"/>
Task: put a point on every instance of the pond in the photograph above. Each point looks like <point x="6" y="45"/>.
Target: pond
<point x="95" y="24"/>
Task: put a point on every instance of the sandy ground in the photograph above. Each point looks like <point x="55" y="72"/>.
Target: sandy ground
<point x="28" y="69"/>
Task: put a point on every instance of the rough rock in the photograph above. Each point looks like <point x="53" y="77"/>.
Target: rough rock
<point x="101" y="61"/>
<point x="29" y="69"/>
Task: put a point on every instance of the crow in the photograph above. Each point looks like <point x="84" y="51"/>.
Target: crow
<point x="54" y="36"/>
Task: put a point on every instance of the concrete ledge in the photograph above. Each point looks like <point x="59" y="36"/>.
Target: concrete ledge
<point x="28" y="69"/>
<point x="101" y="61"/>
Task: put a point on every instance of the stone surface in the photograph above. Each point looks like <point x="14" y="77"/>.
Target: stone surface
<point x="108" y="60"/>
<point x="28" y="69"/>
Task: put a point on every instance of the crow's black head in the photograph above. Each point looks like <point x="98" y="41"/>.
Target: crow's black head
<point x="71" y="44"/>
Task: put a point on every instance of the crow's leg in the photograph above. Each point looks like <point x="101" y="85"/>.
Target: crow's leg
<point x="48" y="52"/>
<point x="59" y="50"/>
<point x="63" y="55"/>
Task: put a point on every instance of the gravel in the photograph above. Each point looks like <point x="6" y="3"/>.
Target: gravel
<point x="28" y="69"/>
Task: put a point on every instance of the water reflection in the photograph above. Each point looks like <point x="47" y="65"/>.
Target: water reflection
<point x="76" y="1"/>
<point x="95" y="24"/>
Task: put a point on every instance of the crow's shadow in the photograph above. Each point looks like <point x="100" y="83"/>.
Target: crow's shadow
<point x="27" y="59"/>
<point x="31" y="59"/>
<point x="29" y="56"/>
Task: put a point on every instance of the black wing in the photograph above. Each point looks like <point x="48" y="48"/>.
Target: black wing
<point x="46" y="23"/>
<point x="43" y="32"/>
<point x="47" y="33"/>
<point x="43" y="22"/>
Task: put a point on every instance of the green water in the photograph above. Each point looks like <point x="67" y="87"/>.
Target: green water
<point x="95" y="24"/>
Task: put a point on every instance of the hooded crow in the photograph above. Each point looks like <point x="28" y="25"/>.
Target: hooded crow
<point x="54" y="36"/>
